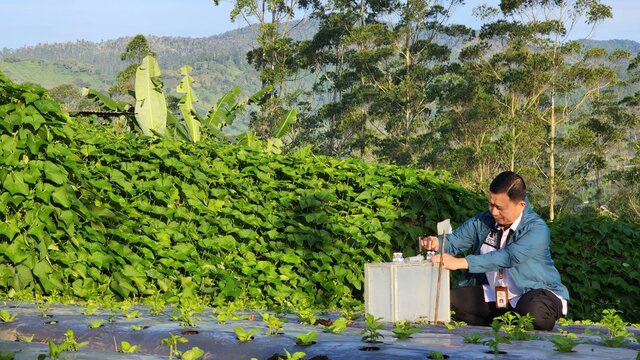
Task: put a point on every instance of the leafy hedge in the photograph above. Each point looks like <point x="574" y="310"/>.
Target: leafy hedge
<point x="88" y="214"/>
<point x="599" y="260"/>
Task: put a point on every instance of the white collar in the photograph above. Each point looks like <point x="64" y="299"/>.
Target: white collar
<point x="515" y="224"/>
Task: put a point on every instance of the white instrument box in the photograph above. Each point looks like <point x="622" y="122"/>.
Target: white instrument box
<point x="406" y="292"/>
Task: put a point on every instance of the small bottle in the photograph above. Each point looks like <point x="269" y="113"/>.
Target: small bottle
<point x="397" y="258"/>
<point x="430" y="254"/>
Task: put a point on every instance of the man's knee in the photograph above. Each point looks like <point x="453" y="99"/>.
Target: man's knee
<point x="544" y="307"/>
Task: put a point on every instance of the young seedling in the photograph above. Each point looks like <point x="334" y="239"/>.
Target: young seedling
<point x="172" y="343"/>
<point x="372" y="331"/>
<point x="22" y="338"/>
<point x="7" y="355"/>
<point x="96" y="324"/>
<point x="306" y="339"/>
<point x="307" y="317"/>
<point x="91" y="308"/>
<point x="186" y="313"/>
<point x="125" y="347"/>
<point x="473" y="338"/>
<point x="616" y="329"/>
<point x="192" y="354"/>
<point x="296" y="356"/>
<point x="112" y="315"/>
<point x="455" y="324"/>
<point x="70" y="343"/>
<point x="404" y="330"/>
<point x="157" y="306"/>
<point x="564" y="343"/>
<point x="497" y="339"/>
<point x="44" y="307"/>
<point x="6" y="317"/>
<point x="223" y="316"/>
<point x="54" y="352"/>
<point x="516" y="326"/>
<point x="274" y="324"/>
<point x="131" y="314"/>
<point x="351" y="309"/>
<point x="243" y="335"/>
<point x="436" y="355"/>
<point x="338" y="326"/>
<point x="138" y="327"/>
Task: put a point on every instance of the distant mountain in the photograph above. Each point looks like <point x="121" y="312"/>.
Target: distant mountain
<point x="629" y="45"/>
<point x="219" y="62"/>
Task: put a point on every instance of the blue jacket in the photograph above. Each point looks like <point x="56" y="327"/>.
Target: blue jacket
<point x="526" y="254"/>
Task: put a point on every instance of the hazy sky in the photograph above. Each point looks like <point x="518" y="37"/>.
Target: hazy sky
<point x="29" y="22"/>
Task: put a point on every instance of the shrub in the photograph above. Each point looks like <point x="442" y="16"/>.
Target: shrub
<point x="598" y="259"/>
<point x="91" y="214"/>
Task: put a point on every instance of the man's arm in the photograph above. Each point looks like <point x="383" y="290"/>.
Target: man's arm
<point x="532" y="243"/>
<point x="457" y="242"/>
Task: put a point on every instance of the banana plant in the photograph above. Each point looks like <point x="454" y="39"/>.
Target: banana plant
<point x="152" y="114"/>
<point x="125" y="117"/>
<point x="191" y="124"/>
<point x="224" y="112"/>
<point x="283" y="126"/>
<point x="151" y="105"/>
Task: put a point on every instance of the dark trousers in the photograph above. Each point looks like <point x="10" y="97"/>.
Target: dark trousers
<point x="469" y="306"/>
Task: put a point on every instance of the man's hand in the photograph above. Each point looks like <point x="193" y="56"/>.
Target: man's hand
<point x="430" y="243"/>
<point x="450" y="262"/>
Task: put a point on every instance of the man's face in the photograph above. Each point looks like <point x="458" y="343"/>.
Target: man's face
<point x="503" y="210"/>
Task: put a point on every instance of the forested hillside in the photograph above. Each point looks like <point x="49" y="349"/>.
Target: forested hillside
<point x="219" y="62"/>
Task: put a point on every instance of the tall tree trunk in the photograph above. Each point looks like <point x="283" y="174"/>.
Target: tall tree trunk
<point x="513" y="133"/>
<point x="552" y="159"/>
<point x="513" y="148"/>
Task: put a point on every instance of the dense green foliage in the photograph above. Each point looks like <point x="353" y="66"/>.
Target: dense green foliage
<point x="133" y="217"/>
<point x="599" y="262"/>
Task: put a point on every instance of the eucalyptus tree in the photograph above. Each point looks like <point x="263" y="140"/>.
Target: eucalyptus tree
<point x="346" y="55"/>
<point x="415" y="74"/>
<point x="137" y="49"/>
<point x="599" y="138"/>
<point x="274" y="57"/>
<point x="376" y="61"/>
<point x="621" y="118"/>
<point x="466" y="145"/>
<point x="541" y="77"/>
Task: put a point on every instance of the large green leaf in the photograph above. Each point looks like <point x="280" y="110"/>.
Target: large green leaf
<point x="108" y="102"/>
<point x="9" y="229"/>
<point x="16" y="252"/>
<point x="223" y="112"/>
<point x="55" y="173"/>
<point x="61" y="197"/>
<point x="283" y="125"/>
<point x="14" y="183"/>
<point x="186" y="104"/>
<point x="151" y="105"/>
<point x="22" y="278"/>
<point x="50" y="281"/>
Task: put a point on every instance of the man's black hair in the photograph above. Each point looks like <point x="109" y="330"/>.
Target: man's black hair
<point x="510" y="183"/>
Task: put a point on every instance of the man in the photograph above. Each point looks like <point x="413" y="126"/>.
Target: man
<point x="510" y="262"/>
